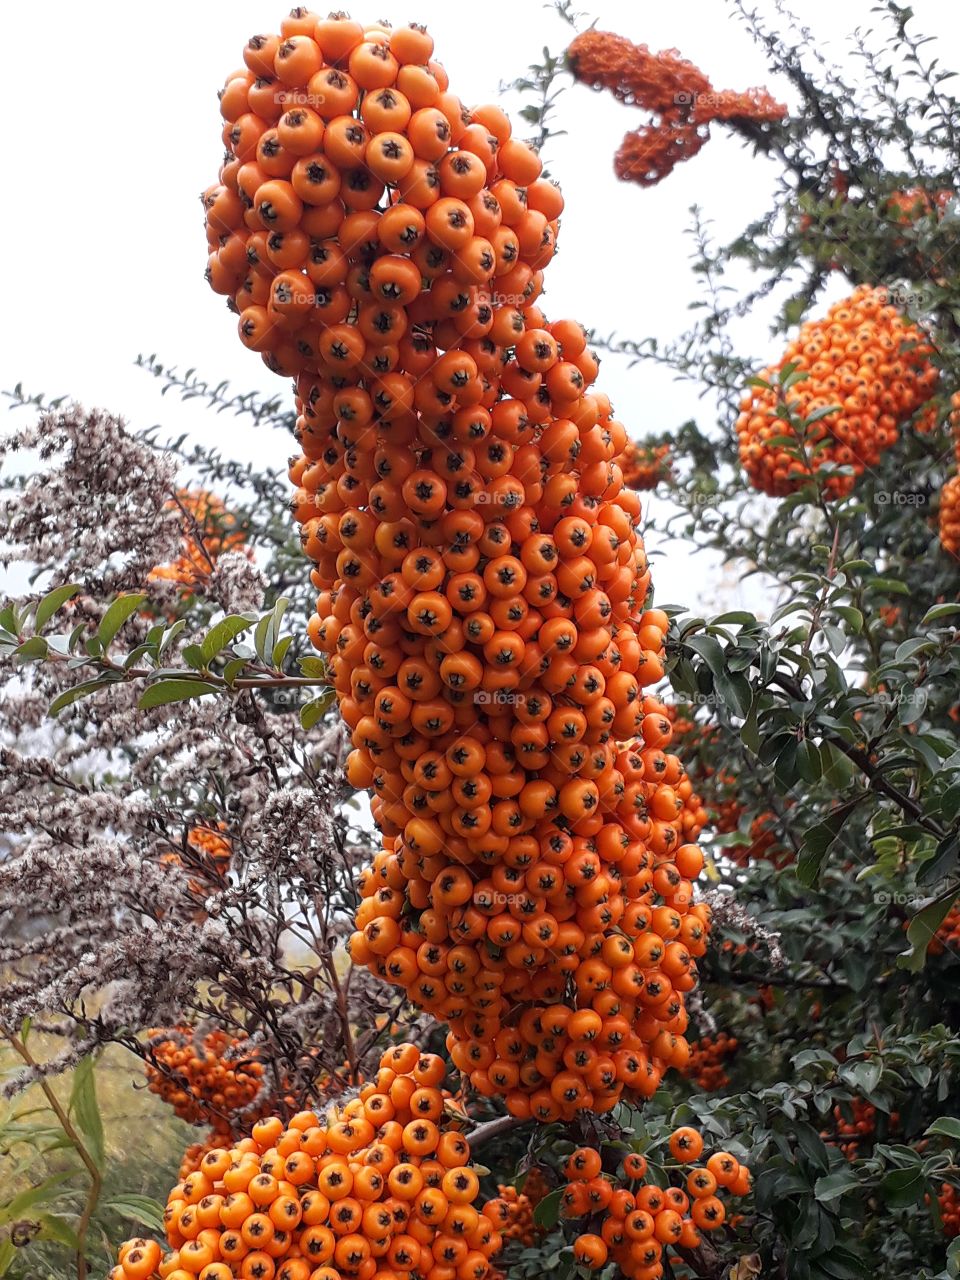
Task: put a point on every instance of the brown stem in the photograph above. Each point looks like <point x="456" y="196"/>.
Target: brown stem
<point x="343" y="1011"/>
<point x="96" y="1182"/>
<point x="492" y="1129"/>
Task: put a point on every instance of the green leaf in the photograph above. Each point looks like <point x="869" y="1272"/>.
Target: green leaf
<point x="862" y="1076"/>
<point x="816" y="842"/>
<point x="75" y="694"/>
<point x="916" y="644"/>
<point x="939" y="611"/>
<point x="52" y="601"/>
<point x="311" y="666"/>
<point x="263" y="637"/>
<point x="921" y="929"/>
<point x="86" y="1110"/>
<point x="892" y="585"/>
<point x="709" y="649"/>
<point x="841" y="1264"/>
<point x="851" y="616"/>
<point x="34" y="648"/>
<point x="750" y="731"/>
<point x="46" y="1190"/>
<point x="823" y="412"/>
<point x="7" y="1255"/>
<point x="116" y="615"/>
<point x="834" y="1185"/>
<point x="313" y="710"/>
<point x="170" y="635"/>
<point x="812" y="1145"/>
<point x="902" y="1187"/>
<point x="138" y="1209"/>
<point x="280" y="651"/>
<point x="809" y="765"/>
<point x="734" y="691"/>
<point x="220" y="635"/>
<point x="192" y="655"/>
<point x="736" y="616"/>
<point x="53" y="1227"/>
<point x="268" y="628"/>
<point x="233" y="669"/>
<point x="547" y="1212"/>
<point x="949" y="1126"/>
<point x="164" y="691"/>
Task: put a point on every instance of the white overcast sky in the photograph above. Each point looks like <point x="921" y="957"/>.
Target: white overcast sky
<point x="112" y="130"/>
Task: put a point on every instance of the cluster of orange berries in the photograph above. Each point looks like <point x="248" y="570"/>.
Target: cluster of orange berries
<point x="207" y="859"/>
<point x="364" y="221"/>
<point x="635" y="1222"/>
<point x="206" y="1081"/>
<point x="949" y="509"/>
<point x="644" y="466"/>
<point x="480" y="572"/>
<point x="864" y="358"/>
<point x="947" y="936"/>
<point x="512" y="1212"/>
<point x="849" y="1135"/>
<point x="204" y="514"/>
<point x="380" y="1187"/>
<point x="561" y="977"/>
<point x="763" y="846"/>
<point x="908" y="205"/>
<point x="707" y="1058"/>
<point x="949" y="1202"/>
<point x="678" y="94"/>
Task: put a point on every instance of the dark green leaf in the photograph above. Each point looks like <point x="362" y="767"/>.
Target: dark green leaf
<point x="547" y="1212"/>
<point x="939" y="611"/>
<point x="76" y="693"/>
<point x="164" y="691"/>
<point x="709" y="649"/>
<point x="834" y="1185"/>
<point x="808" y="761"/>
<point x="812" y="1145"/>
<point x="902" y="1187"/>
<point x="816" y="842"/>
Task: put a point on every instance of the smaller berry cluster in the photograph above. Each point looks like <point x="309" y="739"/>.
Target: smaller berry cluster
<point x="634" y="1222"/>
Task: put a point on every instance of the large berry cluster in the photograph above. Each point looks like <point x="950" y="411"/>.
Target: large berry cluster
<point x="480" y="574"/>
<point x="864" y="361"/>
